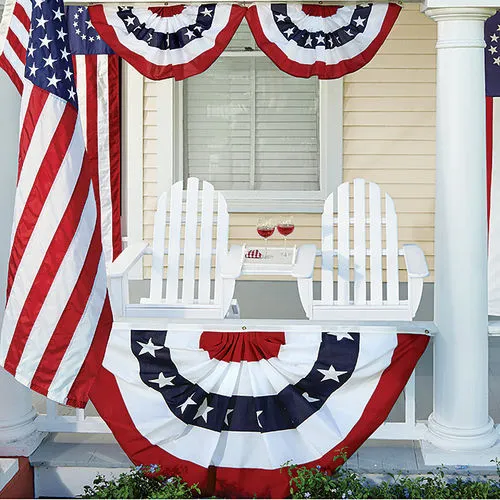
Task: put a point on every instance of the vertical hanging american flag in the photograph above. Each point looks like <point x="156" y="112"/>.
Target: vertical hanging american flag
<point x="57" y="318"/>
<point x="492" y="73"/>
<point x="98" y="90"/>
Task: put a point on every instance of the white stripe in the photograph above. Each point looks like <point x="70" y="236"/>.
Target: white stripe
<point x="5" y="22"/>
<point x="81" y="91"/>
<point x="321" y="53"/>
<point x="171" y="56"/>
<point x="81" y="340"/>
<point x="14" y="61"/>
<point x="60" y="291"/>
<point x="317" y="435"/>
<point x="20" y="31"/>
<point x="103" y="158"/>
<point x="42" y="136"/>
<point x="494" y="229"/>
<point x="45" y="228"/>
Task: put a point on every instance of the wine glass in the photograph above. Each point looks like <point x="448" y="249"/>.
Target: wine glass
<point x="286" y="226"/>
<point x="265" y="228"/>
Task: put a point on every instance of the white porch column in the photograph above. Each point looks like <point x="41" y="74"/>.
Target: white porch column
<point x="460" y="418"/>
<point x="18" y="436"/>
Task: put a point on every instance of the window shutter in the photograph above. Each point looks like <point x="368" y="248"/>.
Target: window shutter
<point x="250" y="126"/>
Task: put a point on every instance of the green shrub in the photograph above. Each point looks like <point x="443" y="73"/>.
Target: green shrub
<point x="140" y="482"/>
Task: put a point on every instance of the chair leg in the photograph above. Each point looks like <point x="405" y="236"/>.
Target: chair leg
<point x="305" y="286"/>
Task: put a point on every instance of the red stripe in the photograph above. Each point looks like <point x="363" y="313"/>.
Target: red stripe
<point x="36" y="103"/>
<point x="79" y="393"/>
<point x="115" y="149"/>
<point x="45" y="177"/>
<point x="21" y="15"/>
<point x="68" y="322"/>
<point x="159" y="72"/>
<point x="11" y="72"/>
<point x="18" y="48"/>
<point x="489" y="151"/>
<point x="319" y="68"/>
<point x="48" y="270"/>
<point x="320" y="10"/>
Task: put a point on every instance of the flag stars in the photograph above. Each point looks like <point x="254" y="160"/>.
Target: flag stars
<point x="68" y="74"/>
<point x="492" y="49"/>
<point x="289" y="32"/>
<point x="89" y="24"/>
<point x="58" y="14"/>
<point x="53" y="80"/>
<point x="33" y="69"/>
<point x="494" y="38"/>
<point x="130" y="20"/>
<point x="320" y="39"/>
<point x="38" y="3"/>
<point x="61" y="34"/>
<point x="65" y="54"/>
<point x="189" y="401"/>
<point x="308" y="41"/>
<point x="163" y="381"/>
<point x="258" y="414"/>
<point x="41" y="22"/>
<point x="207" y="12"/>
<point x="189" y="33"/>
<point x="280" y="18"/>
<point x="31" y="51"/>
<point x="203" y="411"/>
<point x="149" y="348"/>
<point x="44" y="42"/>
<point x="331" y="374"/>
<point x="360" y="22"/>
<point x="228" y="412"/>
<point x="496" y="60"/>
<point x="49" y="61"/>
<point x="71" y="93"/>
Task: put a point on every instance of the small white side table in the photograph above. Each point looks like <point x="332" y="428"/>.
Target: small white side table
<point x="276" y="264"/>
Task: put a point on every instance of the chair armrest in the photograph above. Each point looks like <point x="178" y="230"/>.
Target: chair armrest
<point x="415" y="261"/>
<point x="233" y="262"/>
<point x="127" y="259"/>
<point x="304" y="263"/>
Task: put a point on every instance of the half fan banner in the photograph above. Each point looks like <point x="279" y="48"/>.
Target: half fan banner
<point x="245" y="403"/>
<point x="162" y="42"/>
<point x="329" y="42"/>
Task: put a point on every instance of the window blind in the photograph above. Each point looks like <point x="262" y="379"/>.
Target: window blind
<point x="249" y="126"/>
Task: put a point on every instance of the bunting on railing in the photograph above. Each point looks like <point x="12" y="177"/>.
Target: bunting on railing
<point x="163" y="42"/>
<point x="245" y="403"/>
<point x="302" y="40"/>
<point x="329" y="42"/>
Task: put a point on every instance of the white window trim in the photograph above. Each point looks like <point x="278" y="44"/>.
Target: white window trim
<point x="170" y="153"/>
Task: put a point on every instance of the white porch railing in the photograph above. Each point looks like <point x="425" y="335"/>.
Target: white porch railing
<point x="59" y="418"/>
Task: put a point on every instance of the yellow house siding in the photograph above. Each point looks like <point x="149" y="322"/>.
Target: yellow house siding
<point x="388" y="138"/>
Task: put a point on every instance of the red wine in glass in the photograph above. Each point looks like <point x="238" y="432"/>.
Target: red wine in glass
<point x="285" y="228"/>
<point x="265" y="228"/>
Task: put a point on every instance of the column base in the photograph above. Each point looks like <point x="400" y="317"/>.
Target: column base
<point x="453" y="439"/>
<point x="21" y="438"/>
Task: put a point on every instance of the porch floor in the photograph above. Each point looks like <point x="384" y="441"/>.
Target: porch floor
<point x="66" y="462"/>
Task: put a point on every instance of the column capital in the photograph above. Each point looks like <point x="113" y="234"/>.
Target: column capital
<point x="439" y="12"/>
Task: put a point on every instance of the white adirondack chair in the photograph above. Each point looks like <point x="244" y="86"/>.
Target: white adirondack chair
<point x="197" y="220"/>
<point x="364" y="231"/>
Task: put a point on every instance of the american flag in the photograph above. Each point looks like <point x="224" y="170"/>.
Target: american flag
<point x="492" y="74"/>
<point x="57" y="318"/>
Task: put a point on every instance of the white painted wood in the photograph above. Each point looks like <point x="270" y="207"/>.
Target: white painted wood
<point x="327" y="248"/>
<point x="221" y="245"/>
<point x="174" y="243"/>
<point x="375" y="249"/>
<point x="190" y="242"/>
<point x="359" y="242"/>
<point x="352" y="227"/>
<point x="206" y="236"/>
<point x="460" y="418"/>
<point x="158" y="249"/>
<point x="392" y="264"/>
<point x="343" y="241"/>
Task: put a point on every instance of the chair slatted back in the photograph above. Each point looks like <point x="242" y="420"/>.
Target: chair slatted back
<point x="190" y="215"/>
<point x="363" y="231"/>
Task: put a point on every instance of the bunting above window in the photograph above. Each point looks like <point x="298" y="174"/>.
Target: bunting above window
<point x="163" y="42"/>
<point x="302" y="40"/>
<point x="326" y="41"/>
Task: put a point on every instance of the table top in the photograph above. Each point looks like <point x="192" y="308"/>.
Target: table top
<point x="276" y="262"/>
